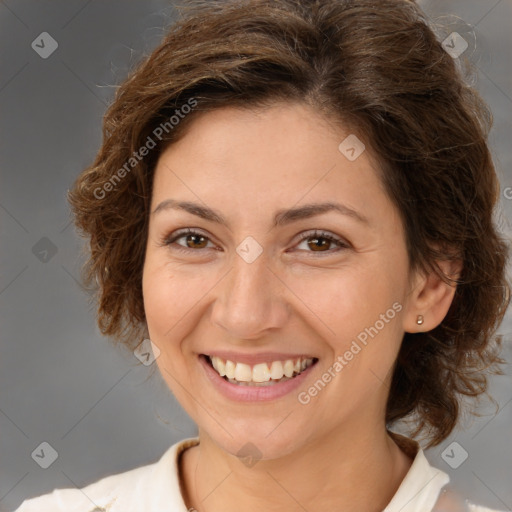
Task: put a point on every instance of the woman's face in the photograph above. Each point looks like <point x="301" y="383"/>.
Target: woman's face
<point x="245" y="288"/>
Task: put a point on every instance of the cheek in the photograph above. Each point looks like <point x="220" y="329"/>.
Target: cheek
<point x="155" y="293"/>
<point x="164" y="308"/>
<point x="374" y="334"/>
<point x="165" y="289"/>
<point x="172" y="303"/>
<point x="342" y="303"/>
<point x="163" y="300"/>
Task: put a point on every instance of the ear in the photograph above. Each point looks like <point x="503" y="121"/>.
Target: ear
<point x="430" y="297"/>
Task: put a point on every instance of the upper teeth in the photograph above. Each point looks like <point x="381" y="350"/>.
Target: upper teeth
<point x="261" y="372"/>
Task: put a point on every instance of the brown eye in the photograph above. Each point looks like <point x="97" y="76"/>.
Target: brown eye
<point x="320" y="241"/>
<point x="193" y="240"/>
<point x="196" y="240"/>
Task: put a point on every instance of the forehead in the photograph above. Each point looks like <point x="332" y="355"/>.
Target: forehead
<point x="276" y="157"/>
<point x="281" y="130"/>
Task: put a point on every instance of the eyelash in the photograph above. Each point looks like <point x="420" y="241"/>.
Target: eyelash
<point x="183" y="233"/>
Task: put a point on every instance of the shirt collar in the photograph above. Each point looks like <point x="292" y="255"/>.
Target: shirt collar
<point x="158" y="488"/>
<point x="422" y="484"/>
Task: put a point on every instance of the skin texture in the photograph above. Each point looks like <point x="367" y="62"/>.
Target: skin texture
<point x="333" y="453"/>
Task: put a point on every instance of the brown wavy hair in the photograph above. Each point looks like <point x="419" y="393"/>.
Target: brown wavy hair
<point x="374" y="66"/>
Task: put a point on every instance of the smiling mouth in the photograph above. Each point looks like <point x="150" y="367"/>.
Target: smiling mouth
<point x="261" y="374"/>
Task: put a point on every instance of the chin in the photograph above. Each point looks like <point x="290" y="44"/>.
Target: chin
<point x="249" y="440"/>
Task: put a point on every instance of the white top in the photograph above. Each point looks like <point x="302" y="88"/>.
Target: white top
<point x="156" y="488"/>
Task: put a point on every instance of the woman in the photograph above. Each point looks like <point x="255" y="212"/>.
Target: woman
<point x="293" y="201"/>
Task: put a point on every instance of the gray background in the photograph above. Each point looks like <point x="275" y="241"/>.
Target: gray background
<point x="60" y="381"/>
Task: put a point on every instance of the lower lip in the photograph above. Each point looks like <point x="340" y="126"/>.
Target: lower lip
<point x="243" y="393"/>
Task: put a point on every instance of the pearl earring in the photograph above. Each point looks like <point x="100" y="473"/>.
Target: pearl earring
<point x="419" y="320"/>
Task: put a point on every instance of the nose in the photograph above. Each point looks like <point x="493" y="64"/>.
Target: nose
<point x="251" y="300"/>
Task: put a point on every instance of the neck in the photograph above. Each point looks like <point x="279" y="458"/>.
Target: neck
<point x="338" y="472"/>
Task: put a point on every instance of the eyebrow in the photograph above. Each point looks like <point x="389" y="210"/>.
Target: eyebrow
<point x="281" y="218"/>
